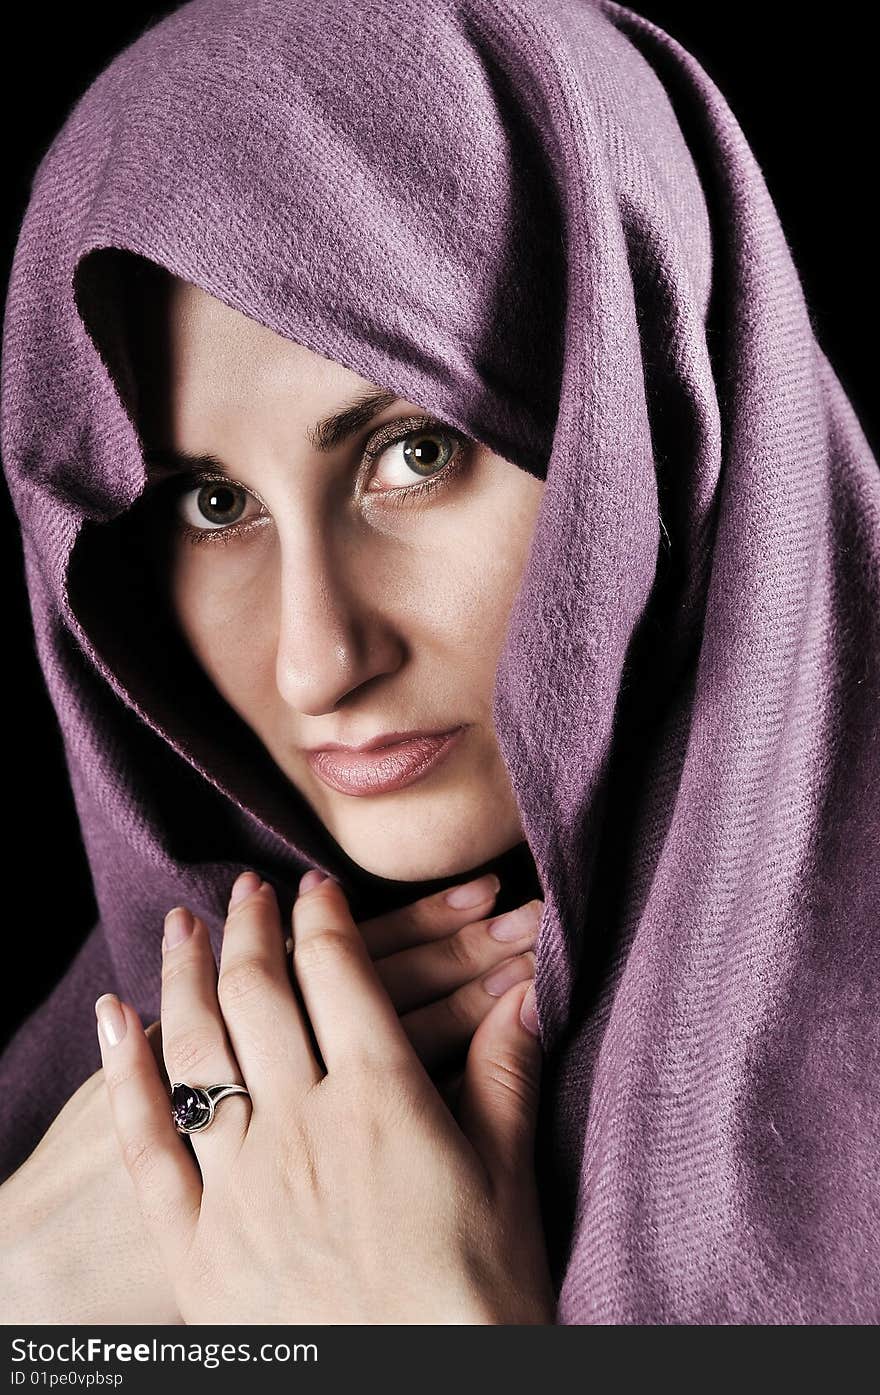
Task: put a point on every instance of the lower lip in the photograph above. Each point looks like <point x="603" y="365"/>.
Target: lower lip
<point x="386" y="767"/>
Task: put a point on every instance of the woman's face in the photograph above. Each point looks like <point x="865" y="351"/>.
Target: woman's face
<point x="339" y="585"/>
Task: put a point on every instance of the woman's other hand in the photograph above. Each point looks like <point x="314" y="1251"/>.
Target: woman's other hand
<point x="73" y="1244"/>
<point x="346" y="1196"/>
<point x="444" y="960"/>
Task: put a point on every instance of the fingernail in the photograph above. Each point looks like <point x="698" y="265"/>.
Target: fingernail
<point x="514" y="971"/>
<point x="473" y="893"/>
<point x="528" y="1012"/>
<point x="515" y="925"/>
<point x="245" y="884"/>
<point x="111" y="1018"/>
<point x="178" y="926"/>
<point x="311" y="878"/>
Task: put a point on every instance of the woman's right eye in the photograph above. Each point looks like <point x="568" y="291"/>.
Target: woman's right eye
<point x="208" y="509"/>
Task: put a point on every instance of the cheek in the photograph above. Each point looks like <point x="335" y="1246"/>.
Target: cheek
<point x="226" y="614"/>
<point x="472" y="593"/>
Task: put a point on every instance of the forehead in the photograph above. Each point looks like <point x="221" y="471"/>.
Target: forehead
<point x="195" y="354"/>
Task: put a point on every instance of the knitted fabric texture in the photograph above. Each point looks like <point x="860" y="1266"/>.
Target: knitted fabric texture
<point x="540" y="220"/>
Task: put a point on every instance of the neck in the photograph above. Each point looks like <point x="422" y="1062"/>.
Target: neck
<point x="515" y="867"/>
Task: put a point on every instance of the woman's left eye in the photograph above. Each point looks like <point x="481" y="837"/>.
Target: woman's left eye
<point x="415" y="460"/>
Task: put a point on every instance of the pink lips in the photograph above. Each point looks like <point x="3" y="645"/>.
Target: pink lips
<point x="385" y="767"/>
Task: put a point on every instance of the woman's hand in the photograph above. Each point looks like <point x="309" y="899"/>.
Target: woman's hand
<point x="443" y="960"/>
<point x="71" y="1231"/>
<point x="346" y="1196"/>
<point x="74" y="1188"/>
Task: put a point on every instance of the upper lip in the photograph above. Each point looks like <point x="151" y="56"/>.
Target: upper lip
<point x="386" y="738"/>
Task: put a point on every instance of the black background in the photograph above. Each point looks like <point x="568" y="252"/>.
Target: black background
<point x="805" y="97"/>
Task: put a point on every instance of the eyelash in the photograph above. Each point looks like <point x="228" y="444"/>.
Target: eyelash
<point x="372" y="451"/>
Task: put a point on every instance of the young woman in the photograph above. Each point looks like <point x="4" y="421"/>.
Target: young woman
<point x="385" y="369"/>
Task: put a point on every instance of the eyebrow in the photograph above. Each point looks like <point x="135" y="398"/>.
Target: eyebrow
<point x="324" y="436"/>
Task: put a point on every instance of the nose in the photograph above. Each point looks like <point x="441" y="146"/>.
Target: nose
<point x="333" y="634"/>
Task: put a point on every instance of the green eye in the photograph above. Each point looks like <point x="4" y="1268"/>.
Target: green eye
<point x="432" y="452"/>
<point x="218" y="504"/>
<point x="213" y="507"/>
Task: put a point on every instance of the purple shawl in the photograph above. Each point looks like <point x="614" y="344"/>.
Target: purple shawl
<point x="539" y="220"/>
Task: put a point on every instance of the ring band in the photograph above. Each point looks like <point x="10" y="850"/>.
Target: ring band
<point x="192" y="1106"/>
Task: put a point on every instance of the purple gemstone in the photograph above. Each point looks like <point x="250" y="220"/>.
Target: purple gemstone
<point x="189" y="1106"/>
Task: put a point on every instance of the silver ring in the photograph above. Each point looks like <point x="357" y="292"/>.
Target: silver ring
<point x="192" y="1106"/>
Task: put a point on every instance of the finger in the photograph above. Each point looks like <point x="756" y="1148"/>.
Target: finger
<point x="498" y="1099"/>
<point x="353" y="1018"/>
<point x="441" y="1031"/>
<point x="414" y="977"/>
<point x="430" y="918"/>
<point x="195" y="1045"/>
<point x="268" y="1028"/>
<point x="165" y="1177"/>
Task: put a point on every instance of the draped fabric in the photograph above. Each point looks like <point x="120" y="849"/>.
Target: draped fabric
<point x="540" y="220"/>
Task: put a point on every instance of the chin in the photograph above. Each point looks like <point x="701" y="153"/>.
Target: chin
<point x="428" y="842"/>
<point x="400" y="869"/>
